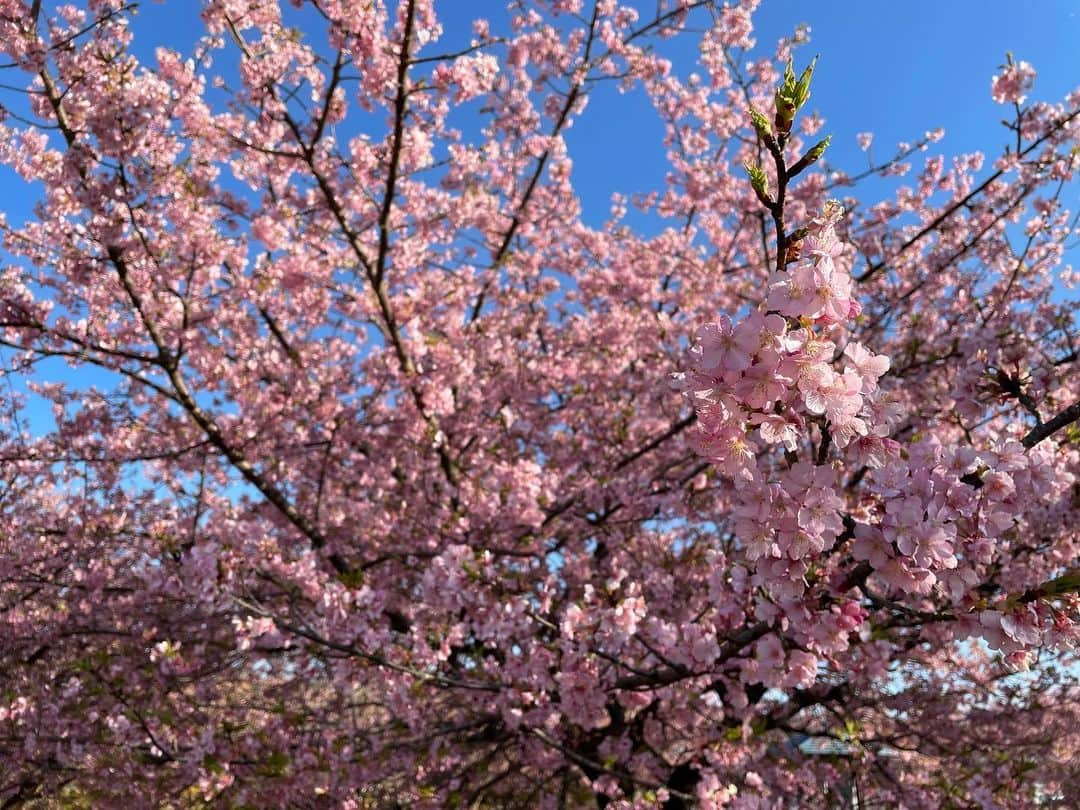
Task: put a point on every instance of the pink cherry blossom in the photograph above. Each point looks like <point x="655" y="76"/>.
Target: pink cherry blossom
<point x="1013" y="83"/>
<point x="338" y="466"/>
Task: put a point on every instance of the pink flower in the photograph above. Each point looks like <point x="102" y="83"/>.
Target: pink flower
<point x="866" y="364"/>
<point x="702" y="646"/>
<point x="837" y="396"/>
<point x="794" y="293"/>
<point x="998" y="485"/>
<point x="832" y="288"/>
<point x="628" y="615"/>
<point x="776" y="429"/>
<point x="726" y="446"/>
<point x="801" y="669"/>
<point x="724" y="349"/>
<point x="736" y="27"/>
<point x="761" y="385"/>
<point x="873" y="451"/>
<point x="1011" y="85"/>
<point x="764" y="332"/>
<point x="818" y="514"/>
<point x="1022" y="626"/>
<point x="769" y="653"/>
<point x="758" y="538"/>
<point x="813" y="290"/>
<point x="580" y="694"/>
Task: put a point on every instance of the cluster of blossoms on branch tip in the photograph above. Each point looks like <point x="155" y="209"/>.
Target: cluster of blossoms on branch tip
<point x="1012" y="85"/>
<point x="930" y="515"/>
<point x="789" y="363"/>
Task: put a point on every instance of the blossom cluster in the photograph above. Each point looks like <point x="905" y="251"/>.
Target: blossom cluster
<point x="1013" y="83"/>
<point x="780" y="369"/>
<point x="929" y="519"/>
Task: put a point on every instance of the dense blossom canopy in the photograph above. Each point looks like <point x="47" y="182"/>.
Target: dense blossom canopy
<point x="377" y="476"/>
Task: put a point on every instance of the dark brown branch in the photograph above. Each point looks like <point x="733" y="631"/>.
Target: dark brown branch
<point x="670" y="433"/>
<point x="400" y="98"/>
<point x="1047" y="429"/>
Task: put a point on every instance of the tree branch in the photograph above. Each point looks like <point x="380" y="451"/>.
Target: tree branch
<point x="1047" y="429"/>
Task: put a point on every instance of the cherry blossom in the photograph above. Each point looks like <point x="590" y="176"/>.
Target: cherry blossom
<point x="347" y="459"/>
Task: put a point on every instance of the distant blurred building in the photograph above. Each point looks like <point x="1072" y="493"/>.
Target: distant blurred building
<point x="845" y="793"/>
